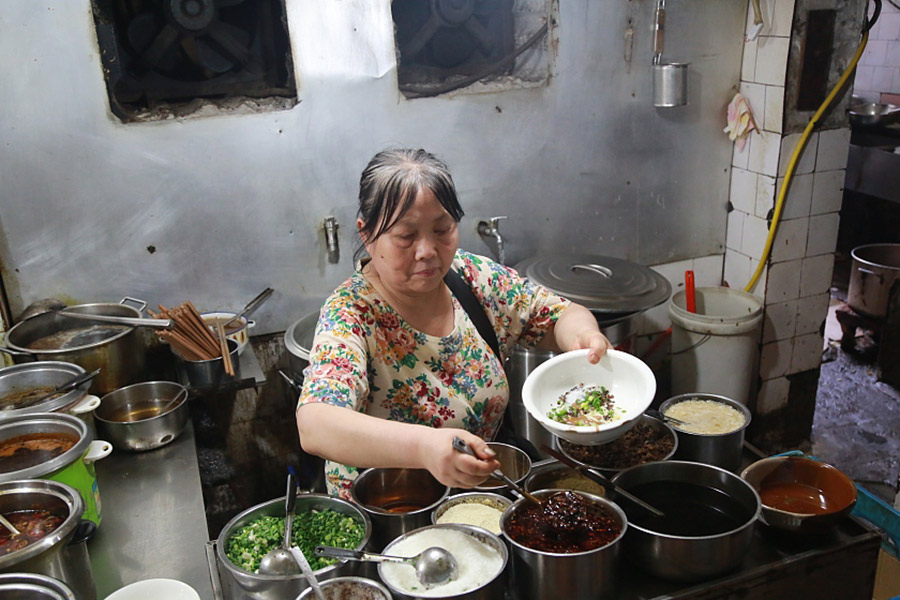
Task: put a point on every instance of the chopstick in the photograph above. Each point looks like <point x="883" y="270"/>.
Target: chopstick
<point x="190" y="337"/>
<point x="223" y="345"/>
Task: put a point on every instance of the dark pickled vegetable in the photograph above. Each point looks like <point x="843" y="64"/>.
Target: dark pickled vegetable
<point x="640" y="444"/>
<point x="33" y="525"/>
<point x="564" y="523"/>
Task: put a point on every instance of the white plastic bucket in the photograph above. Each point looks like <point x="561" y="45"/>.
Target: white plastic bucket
<point x="716" y="349"/>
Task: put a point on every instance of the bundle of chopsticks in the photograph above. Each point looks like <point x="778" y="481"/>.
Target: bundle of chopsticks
<point x="191" y="337"/>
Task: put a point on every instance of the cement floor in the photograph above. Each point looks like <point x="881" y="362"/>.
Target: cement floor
<point x="857" y="418"/>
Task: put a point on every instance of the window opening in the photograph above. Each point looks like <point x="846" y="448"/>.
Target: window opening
<point x="448" y="44"/>
<point x="161" y="56"/>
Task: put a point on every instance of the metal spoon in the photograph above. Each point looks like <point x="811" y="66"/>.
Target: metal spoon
<point x="461" y="446"/>
<point x="662" y="417"/>
<point x="280" y="561"/>
<point x="70" y="384"/>
<point x="433" y="565"/>
<point x="8" y="525"/>
<point x="251" y="306"/>
<point x="298" y="555"/>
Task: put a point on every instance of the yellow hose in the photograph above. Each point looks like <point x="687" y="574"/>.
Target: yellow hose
<point x="795" y="157"/>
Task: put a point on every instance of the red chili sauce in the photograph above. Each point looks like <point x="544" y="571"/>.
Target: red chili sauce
<point x="33" y="525"/>
<point x="564" y="523"/>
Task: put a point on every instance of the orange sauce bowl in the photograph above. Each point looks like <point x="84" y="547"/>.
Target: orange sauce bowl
<point x="801" y="494"/>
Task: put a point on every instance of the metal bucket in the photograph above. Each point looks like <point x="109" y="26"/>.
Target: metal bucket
<point x="670" y="85"/>
<point x="875" y="268"/>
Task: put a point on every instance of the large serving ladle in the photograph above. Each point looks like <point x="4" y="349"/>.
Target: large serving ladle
<point x="280" y="561"/>
<point x="433" y="565"/>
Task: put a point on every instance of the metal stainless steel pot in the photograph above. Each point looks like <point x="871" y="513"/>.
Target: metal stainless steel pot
<point x="145" y="415"/>
<point x="117" y="350"/>
<point x="492" y="590"/>
<point x="62" y="554"/>
<point x="719" y="449"/>
<point x="256" y="586"/>
<point x="875" y="268"/>
<point x="45" y="375"/>
<point x="298" y="341"/>
<point x="74" y="467"/>
<point x="31" y="586"/>
<point x="587" y="575"/>
<point x="412" y="493"/>
<point x="688" y="556"/>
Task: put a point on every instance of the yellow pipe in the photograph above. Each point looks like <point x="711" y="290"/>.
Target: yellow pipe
<point x="795" y="157"/>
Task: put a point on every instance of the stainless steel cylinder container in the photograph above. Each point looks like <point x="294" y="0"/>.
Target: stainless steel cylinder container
<point x="397" y="501"/>
<point x="349" y="587"/>
<point x="589" y="575"/>
<point x="256" y="586"/>
<point x="688" y="558"/>
<point x="875" y="268"/>
<point x="211" y="372"/>
<point x="670" y="85"/>
<point x="719" y="449"/>
<point x="130" y="417"/>
<point x="60" y="554"/>
<point x="32" y="586"/>
<point x="492" y="590"/>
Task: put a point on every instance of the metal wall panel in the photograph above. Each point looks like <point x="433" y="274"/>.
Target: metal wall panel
<point x="214" y="209"/>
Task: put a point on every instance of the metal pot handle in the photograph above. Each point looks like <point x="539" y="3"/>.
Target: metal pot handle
<point x="97" y="450"/>
<point x="598" y="269"/>
<point x="12" y="352"/>
<point x="142" y="303"/>
<point x="87" y="404"/>
<point x="84" y="531"/>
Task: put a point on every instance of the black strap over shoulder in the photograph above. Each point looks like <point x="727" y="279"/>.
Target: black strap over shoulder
<point x="473" y="308"/>
<point x="479" y="318"/>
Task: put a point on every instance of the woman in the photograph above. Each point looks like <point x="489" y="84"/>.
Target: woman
<point x="394" y="345"/>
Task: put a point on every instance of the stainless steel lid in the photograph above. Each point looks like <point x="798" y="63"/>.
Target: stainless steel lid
<point x="298" y="338"/>
<point x="601" y="283"/>
<point x="33" y="587"/>
<point x="21" y="385"/>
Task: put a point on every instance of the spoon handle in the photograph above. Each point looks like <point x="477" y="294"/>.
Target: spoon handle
<point x="290" y="501"/>
<point x="9" y="525"/>
<point x="461" y="446"/>
<point x="345" y="553"/>
<point x="298" y="555"/>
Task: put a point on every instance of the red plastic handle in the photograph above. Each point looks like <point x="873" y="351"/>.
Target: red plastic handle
<point x="690" y="298"/>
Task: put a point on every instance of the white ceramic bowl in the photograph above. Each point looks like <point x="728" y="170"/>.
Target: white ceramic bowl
<point x="629" y="380"/>
<point x="155" y="589"/>
<point x="240" y="334"/>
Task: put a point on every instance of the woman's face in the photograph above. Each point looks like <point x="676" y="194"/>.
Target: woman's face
<point x="413" y="256"/>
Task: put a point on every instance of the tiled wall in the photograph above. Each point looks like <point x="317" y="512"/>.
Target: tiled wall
<point x="796" y="281"/>
<point x="879" y="68"/>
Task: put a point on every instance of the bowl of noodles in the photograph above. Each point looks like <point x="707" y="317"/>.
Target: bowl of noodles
<point x="589" y="404"/>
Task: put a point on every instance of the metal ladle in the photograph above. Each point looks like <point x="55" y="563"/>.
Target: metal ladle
<point x="433" y="565"/>
<point x="251" y="306"/>
<point x="656" y="414"/>
<point x="280" y="561"/>
<point x="64" y="387"/>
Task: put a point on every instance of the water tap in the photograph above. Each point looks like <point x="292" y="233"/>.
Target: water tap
<point x="331" y="240"/>
<point x="490" y="232"/>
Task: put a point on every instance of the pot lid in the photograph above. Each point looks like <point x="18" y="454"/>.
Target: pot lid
<point x="601" y="283"/>
<point x="298" y="339"/>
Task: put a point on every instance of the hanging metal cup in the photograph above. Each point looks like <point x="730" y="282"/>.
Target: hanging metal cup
<point x="670" y="84"/>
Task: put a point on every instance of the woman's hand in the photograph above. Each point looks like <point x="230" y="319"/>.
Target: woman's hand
<point x="595" y="341"/>
<point x="577" y="329"/>
<point x="453" y="468"/>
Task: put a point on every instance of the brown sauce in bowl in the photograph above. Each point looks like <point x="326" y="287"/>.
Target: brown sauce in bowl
<point x="795" y="498"/>
<point x="33" y="525"/>
<point x="564" y="523"/>
<point x="24" y="451"/>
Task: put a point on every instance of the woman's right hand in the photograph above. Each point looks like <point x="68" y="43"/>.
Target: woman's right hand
<point x="454" y="468"/>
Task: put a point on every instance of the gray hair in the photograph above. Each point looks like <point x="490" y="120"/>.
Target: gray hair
<point x="389" y="185"/>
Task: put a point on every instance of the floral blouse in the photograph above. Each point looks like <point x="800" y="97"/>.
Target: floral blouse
<point x="367" y="358"/>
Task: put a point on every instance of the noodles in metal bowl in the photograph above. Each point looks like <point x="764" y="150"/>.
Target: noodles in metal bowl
<point x="569" y="378"/>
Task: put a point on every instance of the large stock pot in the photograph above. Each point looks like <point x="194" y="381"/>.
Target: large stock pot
<point x="874" y="270"/>
<point x="117" y="350"/>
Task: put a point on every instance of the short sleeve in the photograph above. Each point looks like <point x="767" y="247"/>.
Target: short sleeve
<point x="521" y="311"/>
<point x="337" y="370"/>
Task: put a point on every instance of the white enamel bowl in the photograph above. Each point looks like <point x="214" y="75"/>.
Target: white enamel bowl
<point x="629" y="380"/>
<point x="155" y="589"/>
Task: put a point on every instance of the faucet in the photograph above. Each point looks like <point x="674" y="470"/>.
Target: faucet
<point x="331" y="240"/>
<point x="490" y="232"/>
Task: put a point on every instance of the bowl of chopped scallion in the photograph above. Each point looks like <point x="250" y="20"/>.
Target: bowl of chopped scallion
<point x="318" y="520"/>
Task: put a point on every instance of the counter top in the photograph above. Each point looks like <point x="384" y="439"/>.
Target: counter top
<point x="153" y="518"/>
